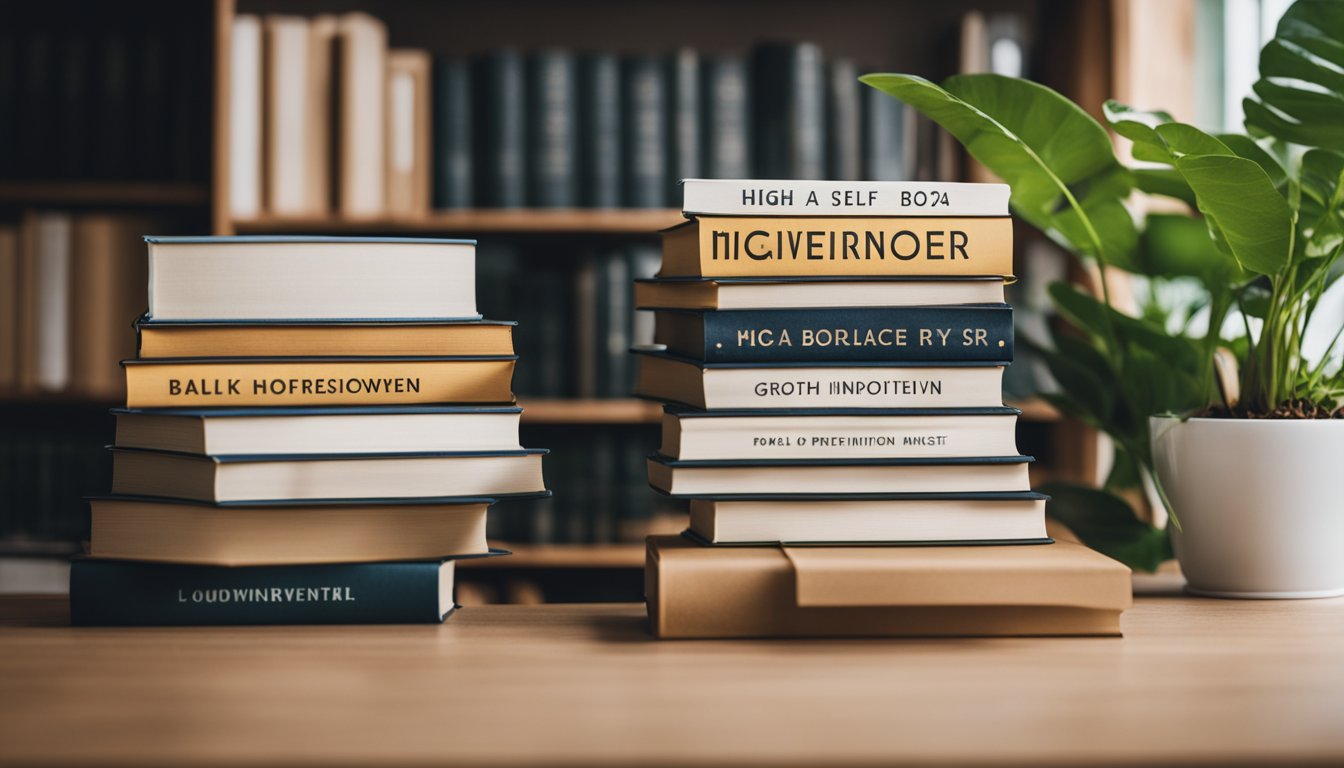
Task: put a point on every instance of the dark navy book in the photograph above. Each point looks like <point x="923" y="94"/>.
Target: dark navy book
<point x="935" y="334"/>
<point x="126" y="593"/>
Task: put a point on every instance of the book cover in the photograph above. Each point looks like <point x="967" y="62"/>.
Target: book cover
<point x="361" y="101"/>
<point x="452" y="129"/>
<point x="600" y="122"/>
<point x="644" y="105"/>
<point x="928" y="334"/>
<point x="788" y="96"/>
<point x="753" y="197"/>
<point x="552" y="130"/>
<point x="500" y="138"/>
<point x="840" y="247"/>
<point x="685" y="158"/>
<point x="182" y="383"/>
<point x="125" y="593"/>
<point x="843" y="121"/>
<point x="332" y="338"/>
<point x="1058" y="589"/>
<point x="245" y="117"/>
<point x="407" y="130"/>
<point x="725" y="118"/>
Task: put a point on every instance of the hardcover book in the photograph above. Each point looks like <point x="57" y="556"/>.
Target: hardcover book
<point x="500" y="138"/>
<point x="681" y="380"/>
<point x="129" y="594"/>
<point x="249" y="382"/>
<point x="452" y="133"/>
<point x="330" y="338"/>
<point x="301" y="431"/>
<point x="777" y="197"/>
<point x="829" y="477"/>
<point x="835" y="434"/>
<point x="935" y="518"/>
<point x="813" y="293"/>
<point x="325" y="477"/>
<point x="926" y="334"/>
<point x="838" y="247"/>
<point x="553" y="129"/>
<point x="269" y="278"/>
<point x="175" y="531"/>
<point x="1057" y="589"/>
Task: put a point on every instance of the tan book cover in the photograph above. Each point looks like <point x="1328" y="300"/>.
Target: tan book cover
<point x="9" y="308"/>
<point x="360" y="69"/>
<point x="286" y="114"/>
<point x="696" y="591"/>
<point x="26" y="306"/>
<point x="407" y="132"/>
<point x="329" y="340"/>
<point x="295" y="382"/>
<point x="319" y="193"/>
<point x="838" y="247"/>
<point x="110" y="272"/>
<point x="186" y="532"/>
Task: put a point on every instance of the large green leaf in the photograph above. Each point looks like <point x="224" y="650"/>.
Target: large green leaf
<point x="1059" y="161"/>
<point x="1238" y="197"/>
<point x="1179" y="246"/>
<point x="1106" y="523"/>
<point x="1300" y="95"/>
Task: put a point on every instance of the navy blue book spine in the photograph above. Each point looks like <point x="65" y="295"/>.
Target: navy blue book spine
<point x="123" y="593"/>
<point x="927" y="334"/>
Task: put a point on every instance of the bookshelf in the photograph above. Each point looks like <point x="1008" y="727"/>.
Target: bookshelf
<point x="894" y="36"/>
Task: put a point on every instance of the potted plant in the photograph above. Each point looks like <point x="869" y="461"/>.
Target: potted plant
<point x="1209" y="401"/>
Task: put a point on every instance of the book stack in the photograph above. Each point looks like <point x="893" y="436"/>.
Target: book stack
<point x="832" y="356"/>
<point x="314" y="430"/>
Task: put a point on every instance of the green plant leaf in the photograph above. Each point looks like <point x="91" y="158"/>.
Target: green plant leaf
<point x="1300" y="95"/>
<point x="1245" y="146"/>
<point x="1043" y="145"/>
<point x="1106" y="523"/>
<point x="1237" y="196"/>
<point x="1166" y="182"/>
<point x="1179" y="246"/>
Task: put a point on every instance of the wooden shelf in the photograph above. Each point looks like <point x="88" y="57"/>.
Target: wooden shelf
<point x="613" y="411"/>
<point x="111" y="193"/>
<point x="578" y="221"/>
<point x="562" y="556"/>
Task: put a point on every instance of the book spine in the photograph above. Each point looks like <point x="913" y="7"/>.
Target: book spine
<point x="553" y="130"/>
<point x="644" y="97"/>
<point x="318" y="382"/>
<point x="951" y="247"/>
<point x="615" y="327"/>
<point x="885" y="138"/>
<point x="884" y="155"/>
<point x="933" y="334"/>
<point x="726" y="118"/>
<point x="120" y="593"/>
<point x="452" y="133"/>
<point x="789" y="97"/>
<point x="501" y="109"/>
<point x="843" y="120"/>
<point x="600" y="133"/>
<point x="684" y="157"/>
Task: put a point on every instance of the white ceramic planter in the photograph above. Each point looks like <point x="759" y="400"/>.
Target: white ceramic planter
<point x="1261" y="504"/>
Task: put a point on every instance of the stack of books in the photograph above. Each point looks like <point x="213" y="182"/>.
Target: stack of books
<point x="314" y="430"/>
<point x="832" y="354"/>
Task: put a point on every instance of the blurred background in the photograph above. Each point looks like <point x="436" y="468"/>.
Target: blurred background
<point x="555" y="133"/>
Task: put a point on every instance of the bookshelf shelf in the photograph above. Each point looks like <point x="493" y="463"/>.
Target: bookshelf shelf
<point x="580" y="221"/>
<point x="149" y="194"/>
<point x="612" y="411"/>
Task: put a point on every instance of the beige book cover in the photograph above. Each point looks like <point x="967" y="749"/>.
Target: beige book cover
<point x="361" y="72"/>
<point x="285" y="85"/>
<point x="407" y="132"/>
<point x="319" y="193"/>
<point x="110" y="271"/>
<point x="696" y="591"/>
<point x="9" y="308"/>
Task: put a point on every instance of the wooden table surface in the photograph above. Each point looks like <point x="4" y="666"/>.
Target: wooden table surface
<point x="1194" y="681"/>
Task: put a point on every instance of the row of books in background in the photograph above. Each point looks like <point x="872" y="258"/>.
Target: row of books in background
<point x="95" y="91"/>
<point x="325" y="117"/>
<point x="280" y="463"/>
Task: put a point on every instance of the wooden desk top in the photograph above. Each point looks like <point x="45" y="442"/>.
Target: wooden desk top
<point x="1194" y="681"/>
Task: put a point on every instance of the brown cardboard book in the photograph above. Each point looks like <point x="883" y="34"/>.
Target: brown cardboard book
<point x="407" y="132"/>
<point x="696" y="591"/>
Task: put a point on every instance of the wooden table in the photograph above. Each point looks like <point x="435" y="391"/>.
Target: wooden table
<point x="1194" y="681"/>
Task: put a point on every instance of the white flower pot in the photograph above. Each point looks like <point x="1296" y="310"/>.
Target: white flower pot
<point x="1260" y="502"/>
